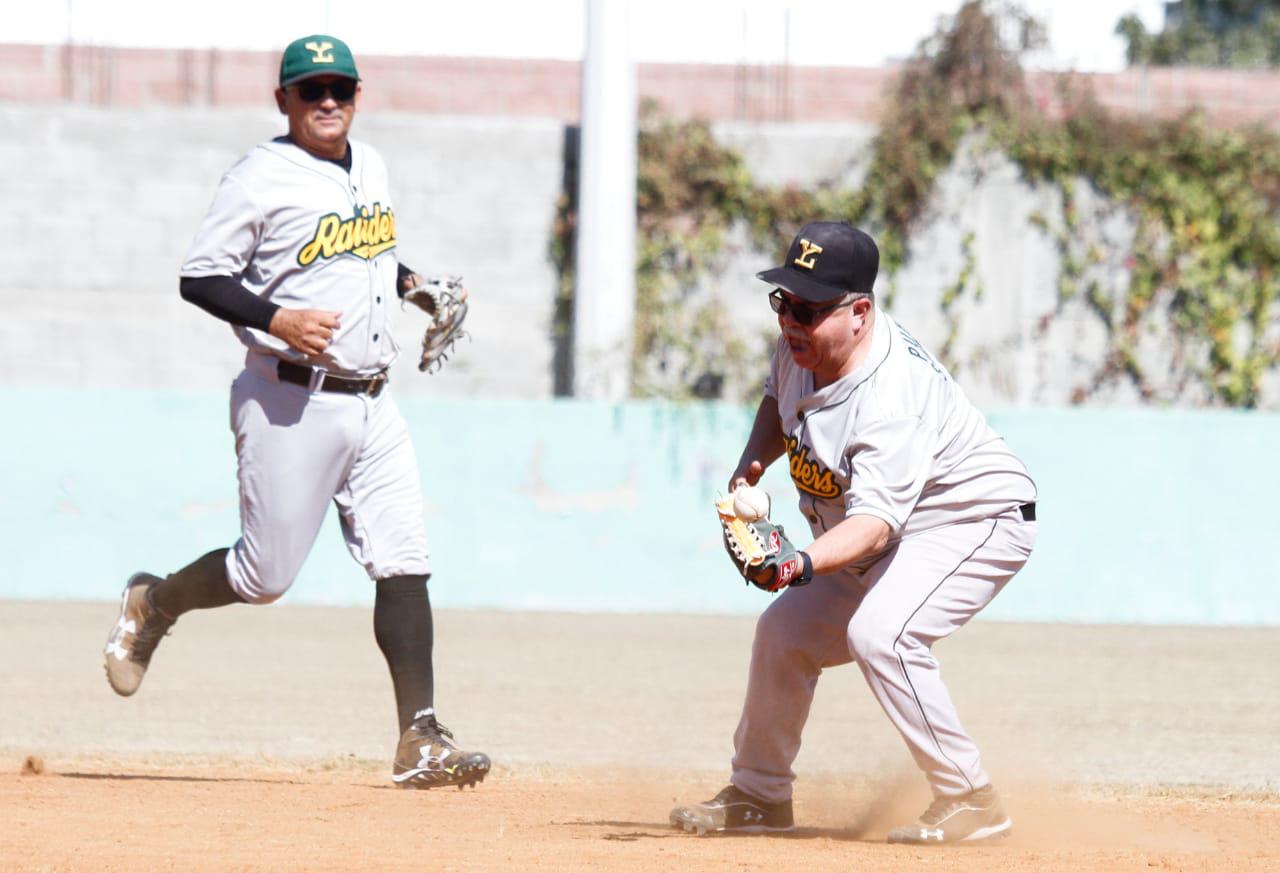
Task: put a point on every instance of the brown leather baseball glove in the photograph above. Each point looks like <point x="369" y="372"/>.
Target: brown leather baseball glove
<point x="445" y="300"/>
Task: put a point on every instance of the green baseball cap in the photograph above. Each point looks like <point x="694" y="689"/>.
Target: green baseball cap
<point x="316" y="55"/>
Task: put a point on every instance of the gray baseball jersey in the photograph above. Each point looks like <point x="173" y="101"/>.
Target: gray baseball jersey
<point x="306" y="234"/>
<point x="896" y="439"/>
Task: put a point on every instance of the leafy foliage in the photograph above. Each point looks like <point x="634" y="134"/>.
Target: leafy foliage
<point x="690" y="193"/>
<point x="964" y="76"/>
<point x="1204" y="202"/>
<point x="1207" y="247"/>
<point x="1208" y="33"/>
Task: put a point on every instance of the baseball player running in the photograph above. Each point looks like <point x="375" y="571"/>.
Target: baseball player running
<point x="298" y="253"/>
<point x="920" y="515"/>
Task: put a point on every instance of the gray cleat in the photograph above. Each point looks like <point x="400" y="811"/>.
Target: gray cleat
<point x="135" y="636"/>
<point x="968" y="818"/>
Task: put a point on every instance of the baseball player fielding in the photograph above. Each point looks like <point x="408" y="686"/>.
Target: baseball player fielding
<point x="920" y="514"/>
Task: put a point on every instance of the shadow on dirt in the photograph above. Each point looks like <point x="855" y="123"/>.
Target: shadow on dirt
<point x="655" y="831"/>
<point x="151" y="777"/>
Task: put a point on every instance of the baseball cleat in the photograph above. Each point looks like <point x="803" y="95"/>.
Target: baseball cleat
<point x="427" y="758"/>
<point x="968" y="818"/>
<point x="135" y="636"/>
<point x="734" y="811"/>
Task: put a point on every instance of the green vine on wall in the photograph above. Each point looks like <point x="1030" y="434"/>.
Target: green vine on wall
<point x="1206" y="245"/>
<point x="691" y="192"/>
<point x="1204" y="203"/>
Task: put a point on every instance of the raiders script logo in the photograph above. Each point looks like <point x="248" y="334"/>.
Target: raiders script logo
<point x="810" y="476"/>
<point x="366" y="235"/>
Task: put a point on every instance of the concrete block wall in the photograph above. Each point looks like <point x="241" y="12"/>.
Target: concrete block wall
<point x="104" y="202"/>
<point x="112" y="198"/>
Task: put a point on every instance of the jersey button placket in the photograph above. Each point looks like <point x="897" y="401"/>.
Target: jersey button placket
<point x="376" y="314"/>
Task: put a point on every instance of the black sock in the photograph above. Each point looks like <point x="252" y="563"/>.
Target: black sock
<point x="202" y="584"/>
<point x="402" y="627"/>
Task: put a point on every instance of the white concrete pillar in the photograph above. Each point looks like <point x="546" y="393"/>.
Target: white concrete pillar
<point x="605" y="292"/>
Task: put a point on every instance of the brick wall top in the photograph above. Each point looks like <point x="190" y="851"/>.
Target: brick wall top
<point x="109" y="76"/>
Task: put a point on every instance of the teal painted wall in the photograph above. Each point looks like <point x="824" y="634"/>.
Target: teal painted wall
<point x="1146" y="516"/>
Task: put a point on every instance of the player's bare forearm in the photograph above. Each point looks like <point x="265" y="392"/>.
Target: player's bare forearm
<point x="854" y="538"/>
<point x="764" y="446"/>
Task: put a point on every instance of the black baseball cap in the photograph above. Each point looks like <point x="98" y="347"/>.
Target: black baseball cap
<point x="827" y="259"/>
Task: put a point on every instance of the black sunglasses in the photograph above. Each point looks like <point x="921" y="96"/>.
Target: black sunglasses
<point x="312" y="92"/>
<point x="801" y="312"/>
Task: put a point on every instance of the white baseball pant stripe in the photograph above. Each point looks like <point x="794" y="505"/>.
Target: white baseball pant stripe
<point x="297" y="452"/>
<point x="886" y="619"/>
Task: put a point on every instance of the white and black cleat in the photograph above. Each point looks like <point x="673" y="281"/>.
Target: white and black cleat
<point x="733" y="811"/>
<point x="427" y="758"/>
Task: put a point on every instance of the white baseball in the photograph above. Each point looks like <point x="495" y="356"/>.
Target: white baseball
<point x="750" y="503"/>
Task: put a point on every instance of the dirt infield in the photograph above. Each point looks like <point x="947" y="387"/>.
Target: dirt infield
<point x="261" y="740"/>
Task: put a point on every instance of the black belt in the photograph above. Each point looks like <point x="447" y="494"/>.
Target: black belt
<point x="1028" y="511"/>
<point x="300" y="375"/>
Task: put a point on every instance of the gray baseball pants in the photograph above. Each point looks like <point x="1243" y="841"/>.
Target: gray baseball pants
<point x="887" y="619"/>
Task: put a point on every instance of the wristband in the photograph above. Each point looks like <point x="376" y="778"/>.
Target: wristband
<point x="806" y="575"/>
